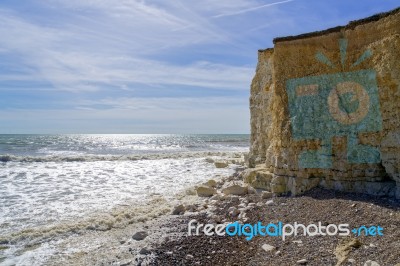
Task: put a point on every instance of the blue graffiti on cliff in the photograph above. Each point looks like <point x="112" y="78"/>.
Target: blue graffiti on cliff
<point x="340" y="104"/>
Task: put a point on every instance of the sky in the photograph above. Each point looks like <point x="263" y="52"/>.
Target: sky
<point x="136" y="66"/>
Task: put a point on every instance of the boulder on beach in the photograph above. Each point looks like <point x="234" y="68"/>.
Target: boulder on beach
<point x="205" y="191"/>
<point x="211" y="183"/>
<point x="235" y="190"/>
<point x="221" y="164"/>
<point x="180" y="209"/>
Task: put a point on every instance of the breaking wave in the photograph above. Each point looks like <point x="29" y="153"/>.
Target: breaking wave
<point x="133" y="157"/>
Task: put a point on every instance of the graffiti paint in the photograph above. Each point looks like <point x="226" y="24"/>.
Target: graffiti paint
<point x="340" y="104"/>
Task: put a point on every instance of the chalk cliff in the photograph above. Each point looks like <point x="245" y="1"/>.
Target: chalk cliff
<point x="325" y="110"/>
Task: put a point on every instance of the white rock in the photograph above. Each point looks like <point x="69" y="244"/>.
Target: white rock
<point x="259" y="204"/>
<point x="213" y="201"/>
<point x="189" y="257"/>
<point x="204" y="191"/>
<point x="235" y="190"/>
<point x="371" y="263"/>
<point x="244" y="200"/>
<point x="352" y="261"/>
<point x="303" y="261"/>
<point x="242" y="205"/>
<point x="268" y="248"/>
<point x="269" y="202"/>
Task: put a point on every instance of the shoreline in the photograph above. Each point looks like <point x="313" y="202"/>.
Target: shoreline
<point x="166" y="241"/>
<point x="40" y="243"/>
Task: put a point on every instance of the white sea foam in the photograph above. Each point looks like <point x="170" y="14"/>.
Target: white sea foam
<point x="49" y="191"/>
<point x="77" y="157"/>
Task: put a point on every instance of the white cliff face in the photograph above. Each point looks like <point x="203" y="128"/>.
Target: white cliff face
<point x="261" y="95"/>
<point x="325" y="110"/>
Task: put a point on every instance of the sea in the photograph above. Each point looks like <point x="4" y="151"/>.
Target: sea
<point x="58" y="185"/>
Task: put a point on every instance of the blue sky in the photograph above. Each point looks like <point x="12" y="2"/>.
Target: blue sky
<point x="126" y="66"/>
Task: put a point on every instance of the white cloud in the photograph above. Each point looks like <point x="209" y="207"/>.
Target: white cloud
<point x="242" y="11"/>
<point x="109" y="48"/>
<point x="69" y="60"/>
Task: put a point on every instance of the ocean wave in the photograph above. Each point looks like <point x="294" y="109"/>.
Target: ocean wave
<point x="133" y="157"/>
<point x="119" y="217"/>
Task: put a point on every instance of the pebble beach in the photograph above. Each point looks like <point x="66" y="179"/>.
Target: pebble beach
<point x="165" y="240"/>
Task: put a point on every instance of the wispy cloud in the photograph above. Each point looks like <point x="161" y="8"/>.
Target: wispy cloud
<point x="163" y="103"/>
<point x="75" y="67"/>
<point x="250" y="9"/>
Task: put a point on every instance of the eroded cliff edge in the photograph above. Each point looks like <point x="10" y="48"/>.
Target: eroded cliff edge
<point x="325" y="110"/>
